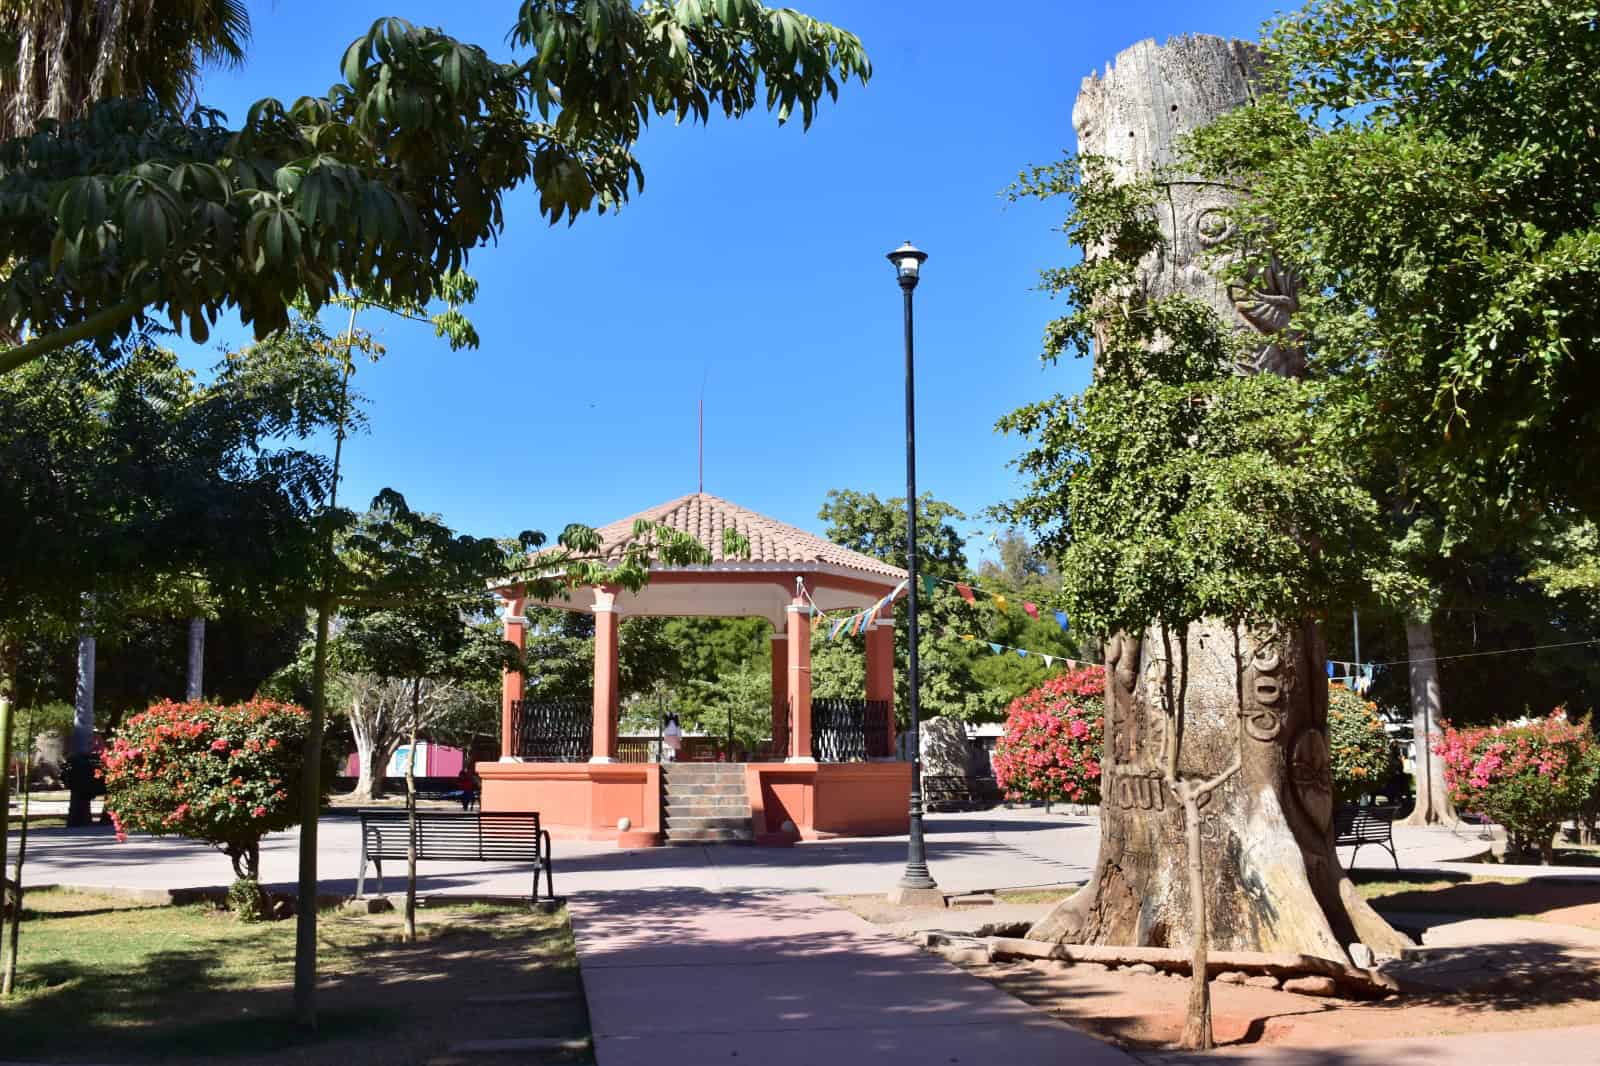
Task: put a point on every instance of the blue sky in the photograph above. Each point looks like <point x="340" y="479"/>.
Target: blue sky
<point x="753" y="262"/>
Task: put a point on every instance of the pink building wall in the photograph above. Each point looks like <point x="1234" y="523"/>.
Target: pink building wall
<point x="436" y="761"/>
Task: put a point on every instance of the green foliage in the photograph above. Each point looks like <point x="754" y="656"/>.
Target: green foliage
<point x="226" y="775"/>
<point x="247" y="900"/>
<point x="1428" y="170"/>
<point x="1359" y="751"/>
<point x="387" y="181"/>
<point x="1173" y="488"/>
<point x="864" y="523"/>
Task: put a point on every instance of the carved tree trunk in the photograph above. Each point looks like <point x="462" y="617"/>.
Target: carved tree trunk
<point x="1270" y="877"/>
<point x="1433" y="795"/>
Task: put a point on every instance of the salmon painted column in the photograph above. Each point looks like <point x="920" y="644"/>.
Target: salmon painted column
<point x="780" y="686"/>
<point x="880" y="666"/>
<point x="516" y="631"/>
<point x="798" y="617"/>
<point x="606" y="676"/>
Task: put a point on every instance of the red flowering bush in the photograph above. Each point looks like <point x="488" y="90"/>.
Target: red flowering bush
<point x="1528" y="777"/>
<point x="227" y="775"/>
<point x="1053" y="739"/>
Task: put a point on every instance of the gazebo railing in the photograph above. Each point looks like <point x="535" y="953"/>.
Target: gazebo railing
<point x="849" y="730"/>
<point x="545" y="730"/>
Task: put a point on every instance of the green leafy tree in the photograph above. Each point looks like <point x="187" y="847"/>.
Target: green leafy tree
<point x="1427" y="174"/>
<point x="387" y="181"/>
<point x="952" y="631"/>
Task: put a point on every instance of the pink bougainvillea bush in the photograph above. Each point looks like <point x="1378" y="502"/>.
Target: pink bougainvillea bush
<point x="1528" y="777"/>
<point x="224" y="774"/>
<point x="1053" y="739"/>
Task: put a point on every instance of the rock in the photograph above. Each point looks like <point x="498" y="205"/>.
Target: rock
<point x="368" y="905"/>
<point x="1361" y="955"/>
<point x="945" y="752"/>
<point x="1141" y="967"/>
<point x="1090" y="967"/>
<point x="1314" y="985"/>
<point x="1230" y="977"/>
<point x="624" y="824"/>
<point x="282" y="907"/>
<point x="1262" y="980"/>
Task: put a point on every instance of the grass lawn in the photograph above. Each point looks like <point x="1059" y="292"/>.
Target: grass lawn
<point x="103" y="979"/>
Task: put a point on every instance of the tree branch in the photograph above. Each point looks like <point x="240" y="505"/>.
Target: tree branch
<point x="96" y="324"/>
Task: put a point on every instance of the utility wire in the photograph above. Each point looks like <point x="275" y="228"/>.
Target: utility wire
<point x="1475" y="654"/>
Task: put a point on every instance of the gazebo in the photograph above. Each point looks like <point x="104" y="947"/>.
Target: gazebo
<point x="834" y="774"/>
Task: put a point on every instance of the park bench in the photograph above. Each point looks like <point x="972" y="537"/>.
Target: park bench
<point x="947" y="792"/>
<point x="1354" y="826"/>
<point x="486" y="836"/>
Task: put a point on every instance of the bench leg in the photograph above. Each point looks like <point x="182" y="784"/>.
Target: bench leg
<point x="1390" y="845"/>
<point x="361" y="871"/>
<point x="377" y="864"/>
<point x="549" y="877"/>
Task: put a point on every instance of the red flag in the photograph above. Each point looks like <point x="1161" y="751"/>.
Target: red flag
<point x="1031" y="609"/>
<point x="966" y="593"/>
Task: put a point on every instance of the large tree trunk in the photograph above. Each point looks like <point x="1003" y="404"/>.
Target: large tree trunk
<point x="78" y="805"/>
<point x="1433" y="795"/>
<point x="197" y="658"/>
<point x="1270" y="878"/>
<point x="373" y="761"/>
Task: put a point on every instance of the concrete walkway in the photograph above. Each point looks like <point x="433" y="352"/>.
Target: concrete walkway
<point x="783" y="979"/>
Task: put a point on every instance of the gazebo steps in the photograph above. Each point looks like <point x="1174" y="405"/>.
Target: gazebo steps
<point x="705" y="803"/>
<point x="731" y="787"/>
<point x="677" y="823"/>
<point x="711" y="836"/>
<point x="731" y="807"/>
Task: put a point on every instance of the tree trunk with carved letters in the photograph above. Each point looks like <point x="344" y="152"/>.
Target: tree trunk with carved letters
<point x="1269" y="875"/>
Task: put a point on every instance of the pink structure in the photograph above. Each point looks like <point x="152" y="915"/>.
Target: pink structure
<point x="787" y="571"/>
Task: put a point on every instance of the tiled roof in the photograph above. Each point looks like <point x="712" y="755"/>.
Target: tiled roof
<point x="771" y="542"/>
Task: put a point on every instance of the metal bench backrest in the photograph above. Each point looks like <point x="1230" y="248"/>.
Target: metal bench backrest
<point x="490" y="836"/>
<point x="1365" y="825"/>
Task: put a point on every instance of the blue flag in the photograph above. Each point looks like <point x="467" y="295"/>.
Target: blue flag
<point x="1330" y="667"/>
<point x="995" y="648"/>
<point x="1061" y="619"/>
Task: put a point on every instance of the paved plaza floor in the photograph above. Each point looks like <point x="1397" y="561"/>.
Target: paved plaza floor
<point x="967" y="852"/>
<point x="727" y="954"/>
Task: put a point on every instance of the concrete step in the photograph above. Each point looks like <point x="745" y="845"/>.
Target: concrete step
<point x="711" y="836"/>
<point x="707" y="810"/>
<point x="677" y="823"/>
<point x="689" y="769"/>
<point x="726" y="799"/>
<point x="721" y="788"/>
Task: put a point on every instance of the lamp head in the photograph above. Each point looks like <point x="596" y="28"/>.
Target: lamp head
<point x="907" y="260"/>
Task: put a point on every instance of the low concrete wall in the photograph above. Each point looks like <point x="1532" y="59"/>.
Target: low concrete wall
<point x="826" y="800"/>
<point x="580" y="801"/>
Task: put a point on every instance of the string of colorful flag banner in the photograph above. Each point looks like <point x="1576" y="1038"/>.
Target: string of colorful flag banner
<point x="856" y="622"/>
<point x="1358" y="677"/>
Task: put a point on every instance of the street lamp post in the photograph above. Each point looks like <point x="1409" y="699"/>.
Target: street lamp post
<point x="916" y="885"/>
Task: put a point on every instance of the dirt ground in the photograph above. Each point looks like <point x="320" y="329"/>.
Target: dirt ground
<point x="1537" y="967"/>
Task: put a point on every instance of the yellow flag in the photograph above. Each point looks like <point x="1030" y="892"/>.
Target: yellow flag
<point x="1000" y="601"/>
